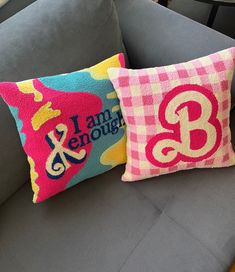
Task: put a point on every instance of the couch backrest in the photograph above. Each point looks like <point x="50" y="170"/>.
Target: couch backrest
<point x="49" y="37"/>
<point x="157" y="36"/>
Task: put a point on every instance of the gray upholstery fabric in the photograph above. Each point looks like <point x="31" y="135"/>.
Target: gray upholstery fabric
<point x="49" y="37"/>
<point x="156" y="36"/>
<point x="178" y="222"/>
<point x="12" y="7"/>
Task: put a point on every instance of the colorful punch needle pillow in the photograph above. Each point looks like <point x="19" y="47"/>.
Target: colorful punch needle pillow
<point x="177" y="116"/>
<point x="70" y="126"/>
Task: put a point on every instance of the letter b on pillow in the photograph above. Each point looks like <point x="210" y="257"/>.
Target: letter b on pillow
<point x="177" y="116"/>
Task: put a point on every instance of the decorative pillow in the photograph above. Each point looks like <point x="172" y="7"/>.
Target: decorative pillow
<point x="177" y="116"/>
<point x="70" y="126"/>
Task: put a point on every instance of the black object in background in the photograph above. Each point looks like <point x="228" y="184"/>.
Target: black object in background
<point x="163" y="2"/>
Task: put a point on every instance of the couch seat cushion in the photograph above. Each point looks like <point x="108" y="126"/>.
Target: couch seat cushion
<point x="178" y="222"/>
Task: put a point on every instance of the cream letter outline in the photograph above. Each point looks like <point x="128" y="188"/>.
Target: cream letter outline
<point x="58" y="161"/>
<point x="189" y="112"/>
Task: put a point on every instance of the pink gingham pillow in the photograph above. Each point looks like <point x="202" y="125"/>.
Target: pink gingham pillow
<point x="177" y="116"/>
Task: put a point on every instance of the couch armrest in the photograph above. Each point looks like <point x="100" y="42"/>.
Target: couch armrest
<point x="156" y="36"/>
<point x="14" y="170"/>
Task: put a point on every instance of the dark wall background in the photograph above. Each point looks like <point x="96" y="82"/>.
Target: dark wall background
<point x="12" y="7"/>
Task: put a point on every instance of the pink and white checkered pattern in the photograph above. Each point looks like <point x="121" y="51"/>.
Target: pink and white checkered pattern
<point x="141" y="92"/>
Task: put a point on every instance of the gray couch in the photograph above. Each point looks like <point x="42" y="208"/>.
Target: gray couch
<point x="183" y="222"/>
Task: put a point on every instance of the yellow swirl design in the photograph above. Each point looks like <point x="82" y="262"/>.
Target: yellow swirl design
<point x="34" y="176"/>
<point x="27" y="87"/>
